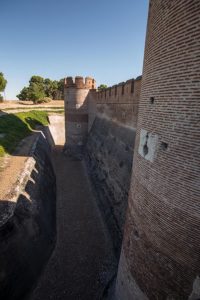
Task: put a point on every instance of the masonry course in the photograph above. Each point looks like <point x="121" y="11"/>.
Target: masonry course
<point x="161" y="237"/>
<point x="129" y="181"/>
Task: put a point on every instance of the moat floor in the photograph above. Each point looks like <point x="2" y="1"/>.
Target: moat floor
<point x="82" y="264"/>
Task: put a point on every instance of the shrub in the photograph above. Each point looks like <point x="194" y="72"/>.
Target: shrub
<point x="43" y="100"/>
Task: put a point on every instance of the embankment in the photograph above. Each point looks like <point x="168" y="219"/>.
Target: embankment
<point x="27" y="223"/>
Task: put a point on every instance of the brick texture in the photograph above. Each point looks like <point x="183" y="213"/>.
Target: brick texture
<point x="120" y="102"/>
<point x="162" y="232"/>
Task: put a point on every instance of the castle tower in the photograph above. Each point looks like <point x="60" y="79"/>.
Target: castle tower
<point x="77" y="95"/>
<point x="160" y="257"/>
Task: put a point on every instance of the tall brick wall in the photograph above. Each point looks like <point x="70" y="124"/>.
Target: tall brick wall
<point x="120" y="102"/>
<point x="110" y="144"/>
<point x="160" y="258"/>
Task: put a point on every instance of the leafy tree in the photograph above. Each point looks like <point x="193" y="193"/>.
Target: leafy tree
<point x="3" y="83"/>
<point x="50" y="88"/>
<point x="24" y="94"/>
<point x="54" y="89"/>
<point x="36" y="79"/>
<point x="36" y="92"/>
<point x="40" y="87"/>
<point x="102" y="87"/>
<point x="60" y="92"/>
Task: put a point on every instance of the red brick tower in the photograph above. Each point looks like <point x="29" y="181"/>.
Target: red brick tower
<point x="77" y="95"/>
<point x="160" y="256"/>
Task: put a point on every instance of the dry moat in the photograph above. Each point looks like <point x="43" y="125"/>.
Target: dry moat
<point x="102" y="200"/>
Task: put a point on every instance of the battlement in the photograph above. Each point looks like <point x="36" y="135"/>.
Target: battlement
<point x="126" y="90"/>
<point x="80" y="83"/>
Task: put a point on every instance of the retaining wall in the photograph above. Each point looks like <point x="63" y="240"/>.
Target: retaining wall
<point x="109" y="150"/>
<point x="27" y="224"/>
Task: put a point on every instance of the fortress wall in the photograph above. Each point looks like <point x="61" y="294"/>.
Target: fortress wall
<point x="120" y="102"/>
<point x="27" y="224"/>
<point x="161" y="247"/>
<point x="109" y="151"/>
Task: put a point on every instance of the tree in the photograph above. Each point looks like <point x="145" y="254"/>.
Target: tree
<point x="37" y="79"/>
<point x="3" y="82"/>
<point x="102" y="87"/>
<point x="40" y="87"/>
<point x="36" y="92"/>
<point x="24" y="94"/>
<point x="60" y="93"/>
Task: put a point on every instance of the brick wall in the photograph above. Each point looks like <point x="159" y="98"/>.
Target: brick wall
<point x="120" y="102"/>
<point x="109" y="150"/>
<point x="161" y="246"/>
<point x="77" y="95"/>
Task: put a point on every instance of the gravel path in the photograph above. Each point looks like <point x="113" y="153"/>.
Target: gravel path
<point x="83" y="263"/>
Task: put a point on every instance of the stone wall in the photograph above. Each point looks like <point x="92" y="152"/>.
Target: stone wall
<point x="27" y="224"/>
<point x="109" y="153"/>
<point x="161" y="246"/>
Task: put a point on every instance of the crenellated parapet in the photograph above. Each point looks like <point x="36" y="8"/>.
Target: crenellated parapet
<point x="120" y="102"/>
<point x="121" y="92"/>
<point x="83" y="103"/>
<point x="80" y="83"/>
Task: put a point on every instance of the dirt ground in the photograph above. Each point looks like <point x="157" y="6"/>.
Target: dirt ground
<point x="11" y="166"/>
<point x="13" y="104"/>
<point x="83" y="263"/>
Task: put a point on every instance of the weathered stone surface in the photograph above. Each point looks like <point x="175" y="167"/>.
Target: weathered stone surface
<point x="109" y="155"/>
<point x="57" y="128"/>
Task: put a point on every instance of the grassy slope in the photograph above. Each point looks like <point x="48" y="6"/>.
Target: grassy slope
<point x="18" y="126"/>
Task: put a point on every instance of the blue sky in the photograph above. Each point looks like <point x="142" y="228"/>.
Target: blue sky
<point x="59" y="38"/>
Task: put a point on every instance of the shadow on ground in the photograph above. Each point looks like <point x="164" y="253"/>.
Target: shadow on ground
<point x="28" y="225"/>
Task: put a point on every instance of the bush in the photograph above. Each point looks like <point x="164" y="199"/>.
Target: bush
<point x="1" y="98"/>
<point x="43" y="100"/>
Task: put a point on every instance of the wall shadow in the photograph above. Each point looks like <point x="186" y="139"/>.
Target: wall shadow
<point x="28" y="222"/>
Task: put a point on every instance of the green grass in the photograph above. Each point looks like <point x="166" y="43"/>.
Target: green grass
<point x="18" y="126"/>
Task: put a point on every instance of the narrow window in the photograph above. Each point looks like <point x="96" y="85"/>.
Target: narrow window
<point x="132" y="86"/>
<point x="122" y="89"/>
<point x="115" y="90"/>
<point x="152" y="100"/>
<point x="164" y="146"/>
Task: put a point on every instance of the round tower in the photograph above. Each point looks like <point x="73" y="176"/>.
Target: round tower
<point x="160" y="257"/>
<point x="76" y="95"/>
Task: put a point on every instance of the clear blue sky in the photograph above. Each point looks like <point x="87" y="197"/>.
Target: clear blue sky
<point x="59" y="38"/>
